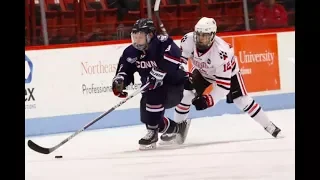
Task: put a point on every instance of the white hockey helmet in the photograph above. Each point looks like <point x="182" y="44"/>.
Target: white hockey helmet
<point x="204" y="33"/>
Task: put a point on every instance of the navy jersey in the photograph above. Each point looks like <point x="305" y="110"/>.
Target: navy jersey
<point x="162" y="53"/>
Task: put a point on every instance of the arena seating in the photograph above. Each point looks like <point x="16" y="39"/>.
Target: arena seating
<point x="71" y="21"/>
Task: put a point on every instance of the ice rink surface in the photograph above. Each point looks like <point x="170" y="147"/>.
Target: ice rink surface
<point x="228" y="147"/>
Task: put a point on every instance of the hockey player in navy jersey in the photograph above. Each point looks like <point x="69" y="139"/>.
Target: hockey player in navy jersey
<point x="157" y="60"/>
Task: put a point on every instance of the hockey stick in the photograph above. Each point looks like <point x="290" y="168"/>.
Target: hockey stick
<point x="156" y="12"/>
<point x="43" y="150"/>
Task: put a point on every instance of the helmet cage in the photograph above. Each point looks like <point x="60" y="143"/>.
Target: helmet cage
<point x="203" y="40"/>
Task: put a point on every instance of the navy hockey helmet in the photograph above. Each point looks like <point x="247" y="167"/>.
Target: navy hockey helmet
<point x="142" y="32"/>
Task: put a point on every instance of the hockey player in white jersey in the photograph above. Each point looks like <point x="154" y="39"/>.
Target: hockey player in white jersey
<point x="214" y="63"/>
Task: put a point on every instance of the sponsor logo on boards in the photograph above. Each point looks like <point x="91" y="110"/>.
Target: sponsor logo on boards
<point x="29" y="91"/>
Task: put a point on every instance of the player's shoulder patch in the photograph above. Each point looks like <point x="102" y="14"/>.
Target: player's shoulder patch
<point x="223" y="48"/>
<point x="184" y="38"/>
<point x="130" y="54"/>
<point x="223" y="54"/>
<point x="162" y="37"/>
<point x="187" y="37"/>
<point x="186" y="43"/>
<point x="131" y="60"/>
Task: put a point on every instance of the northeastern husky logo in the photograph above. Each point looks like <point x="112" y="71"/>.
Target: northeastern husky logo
<point x="223" y="55"/>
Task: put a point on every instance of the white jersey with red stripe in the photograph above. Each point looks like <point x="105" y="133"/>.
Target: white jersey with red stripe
<point x="217" y="65"/>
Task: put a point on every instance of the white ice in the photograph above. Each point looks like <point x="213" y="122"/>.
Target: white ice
<point x="228" y="147"/>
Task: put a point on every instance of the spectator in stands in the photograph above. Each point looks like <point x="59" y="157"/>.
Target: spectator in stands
<point x="269" y="14"/>
<point x="123" y="6"/>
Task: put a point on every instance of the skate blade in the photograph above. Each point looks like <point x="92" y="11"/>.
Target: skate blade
<point x="280" y="135"/>
<point x="168" y="137"/>
<point x="170" y="142"/>
<point x="148" y="147"/>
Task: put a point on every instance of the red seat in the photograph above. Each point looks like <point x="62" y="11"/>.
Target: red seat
<point x="69" y="22"/>
<point x="179" y="17"/>
<point x="132" y="15"/>
<point x="109" y="14"/>
<point x="109" y="19"/>
<point x="189" y="15"/>
<point x="228" y="15"/>
<point x="96" y="17"/>
<point x="54" y="17"/>
<point x="27" y="22"/>
<point x="234" y="16"/>
<point x="212" y="9"/>
<point x="234" y="8"/>
<point x="92" y="14"/>
<point x="58" y="19"/>
<point x="190" y="9"/>
<point x="168" y="15"/>
<point x="71" y="18"/>
<point x="33" y="24"/>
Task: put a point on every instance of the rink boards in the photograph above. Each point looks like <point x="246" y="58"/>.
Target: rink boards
<point x="68" y="87"/>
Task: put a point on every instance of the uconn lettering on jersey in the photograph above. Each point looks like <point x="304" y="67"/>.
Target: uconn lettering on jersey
<point x="146" y="64"/>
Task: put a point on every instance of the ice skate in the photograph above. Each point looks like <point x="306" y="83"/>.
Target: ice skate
<point x="168" y="138"/>
<point x="179" y="136"/>
<point x="182" y="131"/>
<point x="274" y="131"/>
<point x="149" y="140"/>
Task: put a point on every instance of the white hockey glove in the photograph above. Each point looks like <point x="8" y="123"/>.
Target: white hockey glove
<point x="155" y="78"/>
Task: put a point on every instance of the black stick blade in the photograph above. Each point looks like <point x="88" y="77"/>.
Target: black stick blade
<point x="38" y="148"/>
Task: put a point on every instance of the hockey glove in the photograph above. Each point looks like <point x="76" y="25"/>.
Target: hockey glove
<point x="203" y="102"/>
<point x="118" y="86"/>
<point x="155" y="78"/>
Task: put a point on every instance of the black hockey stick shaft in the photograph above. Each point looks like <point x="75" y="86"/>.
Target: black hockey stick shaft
<point x="156" y="12"/>
<point x="43" y="150"/>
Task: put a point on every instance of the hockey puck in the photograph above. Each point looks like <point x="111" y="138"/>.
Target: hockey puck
<point x="58" y="157"/>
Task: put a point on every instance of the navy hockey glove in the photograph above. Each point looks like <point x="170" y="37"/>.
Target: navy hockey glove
<point x="155" y="78"/>
<point x="118" y="86"/>
<point x="203" y="102"/>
